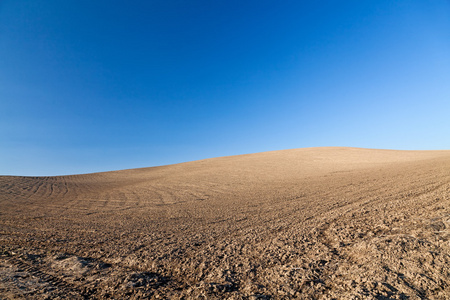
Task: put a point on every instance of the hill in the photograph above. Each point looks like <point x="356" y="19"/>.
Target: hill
<point x="302" y="223"/>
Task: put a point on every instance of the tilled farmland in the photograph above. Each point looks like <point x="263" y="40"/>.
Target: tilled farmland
<point x="314" y="223"/>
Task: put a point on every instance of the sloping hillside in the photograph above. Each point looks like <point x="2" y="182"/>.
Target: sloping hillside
<point x="303" y="223"/>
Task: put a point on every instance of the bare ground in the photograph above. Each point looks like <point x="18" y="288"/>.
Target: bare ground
<point x="316" y="223"/>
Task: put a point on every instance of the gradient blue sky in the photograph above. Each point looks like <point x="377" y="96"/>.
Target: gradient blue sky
<point x="90" y="86"/>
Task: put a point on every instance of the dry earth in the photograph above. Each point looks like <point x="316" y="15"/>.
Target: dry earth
<point x="316" y="223"/>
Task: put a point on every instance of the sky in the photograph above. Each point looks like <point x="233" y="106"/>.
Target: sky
<point x="88" y="86"/>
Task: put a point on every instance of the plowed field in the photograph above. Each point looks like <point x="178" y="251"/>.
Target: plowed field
<point x="315" y="223"/>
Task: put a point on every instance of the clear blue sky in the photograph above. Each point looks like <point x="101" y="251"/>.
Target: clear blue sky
<point x="90" y="86"/>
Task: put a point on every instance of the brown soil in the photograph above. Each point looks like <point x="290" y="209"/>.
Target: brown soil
<point x="316" y="223"/>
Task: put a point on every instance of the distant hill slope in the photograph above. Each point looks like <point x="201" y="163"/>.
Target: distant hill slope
<point x="259" y="168"/>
